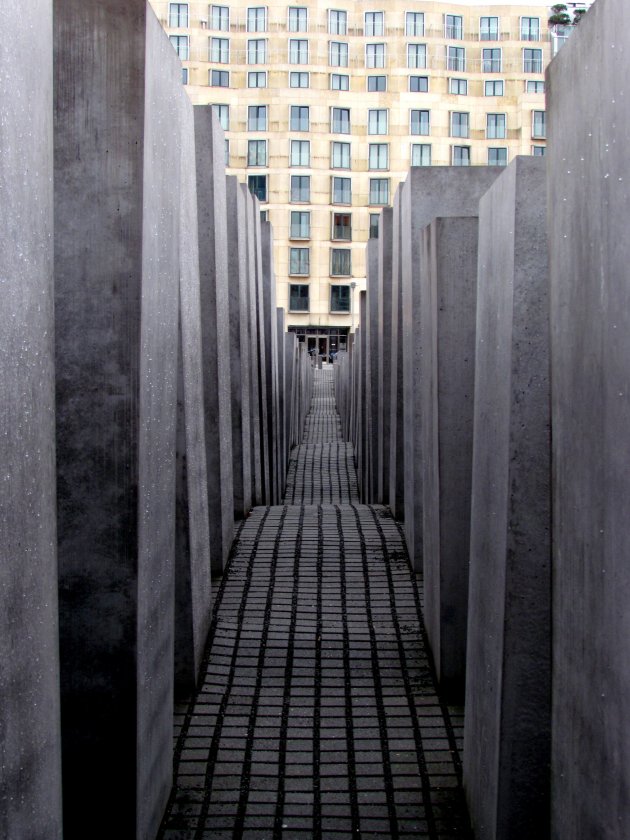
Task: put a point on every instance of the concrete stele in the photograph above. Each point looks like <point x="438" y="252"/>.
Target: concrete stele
<point x="384" y="355"/>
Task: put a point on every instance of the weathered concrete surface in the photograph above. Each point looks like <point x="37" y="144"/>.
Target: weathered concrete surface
<point x="261" y="339"/>
<point x="370" y="327"/>
<point x="589" y="204"/>
<point x="117" y="204"/>
<point x="271" y="358"/>
<point x="507" y="681"/>
<point x="283" y="454"/>
<point x="396" y="430"/>
<point x="385" y="305"/>
<point x="448" y="293"/>
<point x="30" y="793"/>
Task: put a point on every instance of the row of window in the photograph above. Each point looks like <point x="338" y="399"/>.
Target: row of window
<point x="299" y="298"/>
<point x="340" y="262"/>
<point x="373" y="22"/>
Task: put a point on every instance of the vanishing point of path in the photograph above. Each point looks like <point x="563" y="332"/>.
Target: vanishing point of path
<point x="318" y="715"/>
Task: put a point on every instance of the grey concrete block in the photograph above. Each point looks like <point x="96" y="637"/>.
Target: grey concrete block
<point x="290" y="365"/>
<point x="372" y="361"/>
<point x="29" y="677"/>
<point x="271" y="358"/>
<point x="282" y="401"/>
<point x="506" y="750"/>
<point x="396" y="429"/>
<point x="384" y="354"/>
<point x="261" y="339"/>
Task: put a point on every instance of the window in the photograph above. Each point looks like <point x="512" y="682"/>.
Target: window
<point x="298" y="19"/>
<point x="298" y="298"/>
<point x="489" y="29"/>
<point x="420" y="122"/>
<point x="417" y="56"/>
<point x="340" y="156"/>
<point x="342" y="226"/>
<point x="300" y="188"/>
<point x="337" y="54"/>
<point x="535" y="87"/>
<point x="223" y="115"/>
<point x="418" y="84"/>
<point x="493" y="88"/>
<point x="459" y="124"/>
<point x="180" y="42"/>
<point x="377" y="121"/>
<point x="539" y="129"/>
<point x="453" y="27"/>
<point x="298" y="79"/>
<point x="379" y="190"/>
<point x="341" y="190"/>
<point x="377" y="83"/>
<point x="298" y="51"/>
<point x="340" y="262"/>
<point x="530" y="29"/>
<point x="497" y="157"/>
<point x="340" y="298"/>
<point x="184" y="75"/>
<point x="491" y="61"/>
<point x="460" y="155"/>
<point x="257" y="51"/>
<point x="378" y="156"/>
<point x="495" y="126"/>
<point x="375" y="55"/>
<point x="300" y="153"/>
<point x="300" y="224"/>
<point x="421" y="154"/>
<point x="257" y="19"/>
<point x="538" y="151"/>
<point x="299" y="117"/>
<point x="257" y="118"/>
<point x="220" y="50"/>
<point x="219" y="78"/>
<point x="178" y="15"/>
<point x="337" y="22"/>
<point x="256" y="79"/>
<point x="220" y="18"/>
<point x="456" y="59"/>
<point x="458" y="86"/>
<point x="339" y="81"/>
<point x="374" y="24"/>
<point x="258" y="186"/>
<point x="227" y="152"/>
<point x="340" y="120"/>
<point x="257" y="153"/>
<point x="532" y="61"/>
<point x="414" y="24"/>
<point x="299" y="262"/>
<point x="374" y="217"/>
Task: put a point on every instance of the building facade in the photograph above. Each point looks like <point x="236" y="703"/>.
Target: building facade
<point x="326" y="105"/>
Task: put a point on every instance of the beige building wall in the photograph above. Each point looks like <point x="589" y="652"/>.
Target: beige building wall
<point x="192" y="29"/>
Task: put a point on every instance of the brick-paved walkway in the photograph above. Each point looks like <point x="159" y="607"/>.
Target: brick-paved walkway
<point x="318" y="716"/>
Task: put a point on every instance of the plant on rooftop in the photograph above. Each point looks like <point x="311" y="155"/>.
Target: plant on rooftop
<point x="559" y="15"/>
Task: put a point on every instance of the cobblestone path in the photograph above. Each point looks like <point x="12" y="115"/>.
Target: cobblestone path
<point x="318" y="716"/>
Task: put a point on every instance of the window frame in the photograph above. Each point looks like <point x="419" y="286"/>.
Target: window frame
<point x="301" y="287"/>
<point x="374" y="17"/>
<point x="421" y="122"/>
<point x="377" y="59"/>
<point x="380" y="113"/>
<point x="481" y="30"/>
<point x="336" y="287"/>
<point x="333" y="130"/>
<point x="266" y="115"/>
<point x="346" y="187"/>
<point x="423" y="147"/>
<point x="299" y="73"/>
<point x="343" y="256"/>
<point x="339" y="86"/>
<point x="498" y="149"/>
<point x="456" y="62"/>
<point x="297" y="126"/>
<point x="259" y="144"/>
<point x="499" y="126"/>
<point x="181" y="44"/>
<point x="412" y="64"/>
<point x="459" y="82"/>
<point x="334" y="47"/>
<point x="257" y="73"/>
<point x="419" y="89"/>
<point x="379" y="148"/>
<point x="256" y="51"/>
<point x="218" y="109"/>
<point x="221" y="74"/>
<point x="494" y="82"/>
<point x="528" y="36"/>
<point x="297" y="53"/>
<point x="459" y="121"/>
<point x="263" y="179"/>
<point x="533" y="64"/>
<point x="451" y="29"/>
<point x="461" y="148"/>
<point x="256" y="9"/>
<point x="335" y="228"/>
<point x="414" y="34"/>
<point x="179" y="24"/>
<point x="489" y="65"/>
<point x="303" y="270"/>
<point x="221" y="10"/>
<point x="301" y="236"/>
<point x="302" y="188"/>
<point x="331" y="30"/>
<point x="379" y="202"/>
<point x="302" y="143"/>
<point x="535" y="135"/>
<point x="297" y="9"/>
<point x="347" y="148"/>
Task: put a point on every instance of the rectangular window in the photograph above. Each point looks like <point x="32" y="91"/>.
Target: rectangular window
<point x="219" y="78"/>
<point x="414" y="24"/>
<point x="257" y="19"/>
<point x="491" y="60"/>
<point x="460" y="155"/>
<point x="495" y="126"/>
<point x="374" y="24"/>
<point x="532" y="60"/>
<point x="299" y="117"/>
<point x="298" y="51"/>
<point x="489" y="29"/>
<point x="378" y="156"/>
<point x="257" y="153"/>
<point x="417" y="56"/>
<point x="180" y="42"/>
<point x="421" y="154"/>
<point x="223" y="115"/>
<point x="418" y="84"/>
<point x="379" y="191"/>
<point x="375" y="55"/>
<point x="453" y="27"/>
<point x="497" y="157"/>
<point x="340" y="262"/>
<point x="530" y="29"/>
<point x="300" y="153"/>
<point x="178" y="15"/>
<point x="340" y="298"/>
<point x="337" y="54"/>
<point x="460" y="124"/>
<point x="258" y="186"/>
<point x="257" y="118"/>
<point x="377" y="121"/>
<point x="340" y="156"/>
<point x="341" y="190"/>
<point x="298" y="298"/>
<point x="220" y="50"/>
<point x="339" y="81"/>
<point x="539" y="126"/>
<point x="299" y="262"/>
<point x="342" y="226"/>
<point x="374" y="218"/>
<point x="300" y="224"/>
<point x="300" y="188"/>
<point x="298" y="19"/>
<point x="257" y="79"/>
<point x="257" y="51"/>
<point x="298" y="80"/>
<point x="220" y="18"/>
<point x="184" y="75"/>
<point x="337" y="22"/>
<point x="538" y="151"/>
<point x="340" y="121"/>
<point x="493" y="88"/>
<point x="535" y="87"/>
<point x="420" y="122"/>
<point x="456" y="59"/>
<point x="458" y="86"/>
<point x="227" y="152"/>
<point x="376" y="83"/>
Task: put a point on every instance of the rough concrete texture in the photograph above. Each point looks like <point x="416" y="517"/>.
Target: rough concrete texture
<point x="263" y="349"/>
<point x="590" y="323"/>
<point x="448" y="292"/>
<point x="30" y="792"/>
<point x="271" y="358"/>
<point x="428" y="192"/>
<point x="290" y="372"/>
<point x="396" y="431"/>
<point x="384" y="357"/>
<point x="371" y="370"/>
<point x="507" y="680"/>
<point x="283" y="452"/>
<point x="117" y="204"/>
<point x="215" y="319"/>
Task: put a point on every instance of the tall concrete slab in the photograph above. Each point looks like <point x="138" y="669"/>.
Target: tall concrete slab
<point x="448" y="292"/>
<point x="290" y="354"/>
<point x="30" y="804"/>
<point x="385" y="304"/>
<point x="589" y="121"/>
<point x="117" y="206"/>
<point x="506" y="736"/>
<point x="429" y="192"/>
<point x="396" y="428"/>
<point x="215" y="320"/>
<point x="271" y="358"/>
<point x="282" y="400"/>
<point x="372" y="360"/>
<point x="263" y="350"/>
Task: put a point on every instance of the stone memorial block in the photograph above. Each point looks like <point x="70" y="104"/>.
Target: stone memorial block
<point x="396" y="430"/>
<point x="384" y="353"/>
<point x="371" y="361"/>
